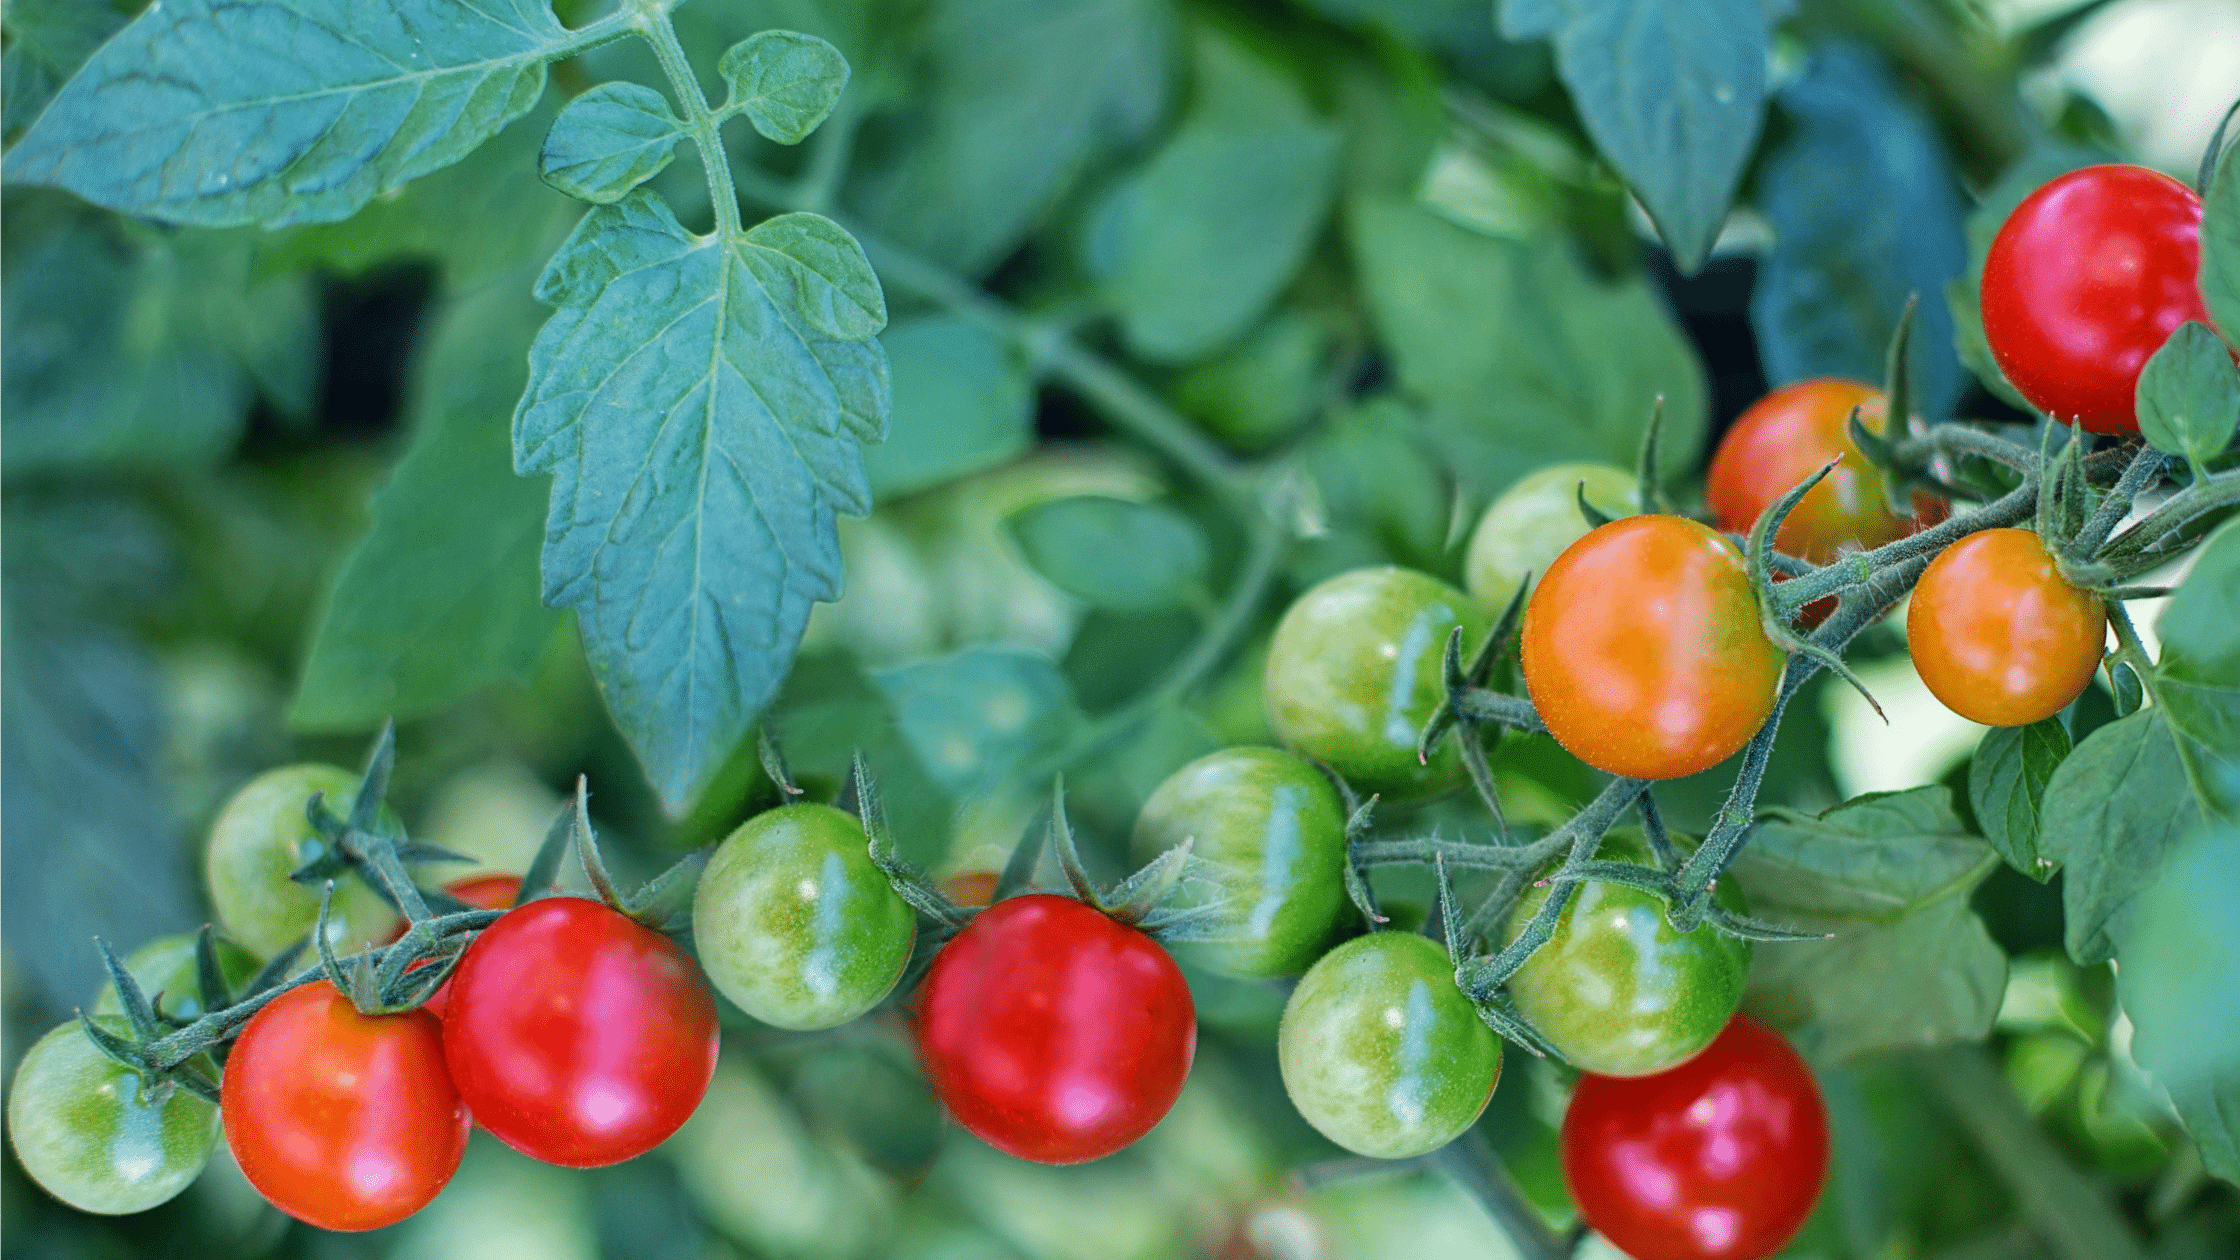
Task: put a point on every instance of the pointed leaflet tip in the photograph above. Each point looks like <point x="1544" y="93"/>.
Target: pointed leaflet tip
<point x="774" y="762"/>
<point x="209" y="977"/>
<point x="137" y="1009"/>
<point x="1069" y="857"/>
<point x="587" y="850"/>
<point x="544" y="870"/>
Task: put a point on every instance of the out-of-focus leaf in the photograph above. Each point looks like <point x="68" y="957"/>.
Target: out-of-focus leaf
<point x="830" y="711"/>
<point x="608" y="141"/>
<point x="700" y="402"/>
<point x="1017" y="94"/>
<point x="978" y="716"/>
<point x="2007" y="780"/>
<point x="962" y="402"/>
<point x="2183" y="994"/>
<point x="1871" y="857"/>
<point x="224" y="112"/>
<point x="2220" y="245"/>
<point x="785" y="82"/>
<point x="1114" y="553"/>
<point x="1866" y="212"/>
<point x="1262" y="389"/>
<point x="2197" y="682"/>
<point x="2112" y="813"/>
<point x="1195" y="245"/>
<point x="1381" y="497"/>
<point x="1672" y="94"/>
<point x="2189" y="394"/>
<point x="1964" y="296"/>
<point x="47" y="41"/>
<point x="1524" y="357"/>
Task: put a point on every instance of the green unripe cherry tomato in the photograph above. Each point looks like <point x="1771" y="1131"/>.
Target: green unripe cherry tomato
<point x="94" y="1135"/>
<point x="1533" y="521"/>
<point x="166" y="966"/>
<point x="796" y="924"/>
<point x="1616" y="989"/>
<point x="1381" y="1052"/>
<point x="260" y="836"/>
<point x="1355" y="672"/>
<point x="1277" y="824"/>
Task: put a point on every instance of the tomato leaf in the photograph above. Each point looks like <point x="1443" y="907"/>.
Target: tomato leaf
<point x="608" y="141"/>
<point x="2112" y="813"/>
<point x="221" y="112"/>
<point x="2189" y="395"/>
<point x="1929" y="976"/>
<point x="1192" y="248"/>
<point x="47" y="41"/>
<point x="785" y="82"/>
<point x="2220" y="246"/>
<point x="1872" y="857"/>
<point x="2182" y="993"/>
<point x="977" y="717"/>
<point x="962" y="402"/>
<point x="1112" y="553"/>
<point x="1524" y="356"/>
<point x="2007" y="780"/>
<point x="2197" y="684"/>
<point x="700" y="402"/>
<point x="1866" y="212"/>
<point x="1673" y="95"/>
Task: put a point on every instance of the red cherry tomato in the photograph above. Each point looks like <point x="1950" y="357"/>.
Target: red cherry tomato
<point x="344" y="1120"/>
<point x="1721" y="1158"/>
<point x="1998" y="634"/>
<point x="577" y="1036"/>
<point x="1643" y="650"/>
<point x="2085" y="281"/>
<point x="1055" y="1033"/>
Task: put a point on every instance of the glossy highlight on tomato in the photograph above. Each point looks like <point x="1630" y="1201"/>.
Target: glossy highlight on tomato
<point x="1355" y="671"/>
<point x="1055" y="1033"/>
<point x="1643" y="651"/>
<point x="1721" y="1158"/>
<point x="578" y="1036"/>
<point x="1787" y="436"/>
<point x="1998" y="635"/>
<point x="1275" y="826"/>
<point x="2084" y="282"/>
<point x="1381" y="1052"/>
<point x="343" y="1120"/>
<point x="97" y="1136"/>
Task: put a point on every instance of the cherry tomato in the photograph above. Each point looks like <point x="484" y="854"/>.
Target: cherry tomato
<point x="577" y="1036"/>
<point x="1786" y="437"/>
<point x="1998" y="634"/>
<point x="344" y="1120"/>
<point x="1533" y="521"/>
<point x="483" y="892"/>
<point x="1277" y="824"/>
<point x="1643" y="651"/>
<point x="165" y="970"/>
<point x="259" y="837"/>
<point x="1053" y="1032"/>
<point x="93" y="1134"/>
<point x="1720" y="1158"/>
<point x="1354" y="674"/>
<point x="2085" y="281"/>
<point x="1616" y="989"/>
<point x="1381" y="1052"/>
<point x="796" y="924"/>
<point x="971" y="889"/>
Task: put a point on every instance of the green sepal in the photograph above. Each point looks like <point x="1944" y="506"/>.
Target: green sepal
<point x="1069" y="856"/>
<point x="1774" y="611"/>
<point x="663" y="903"/>
<point x="138" y="1010"/>
<point x="209" y="978"/>
<point x="543" y="874"/>
<point x="908" y="882"/>
<point x="1026" y="855"/>
<point x="1897" y="392"/>
<point x="1647" y="487"/>
<point x="1596" y="517"/>
<point x="422" y="851"/>
<point x="373" y="786"/>
<point x="2213" y="156"/>
<point x="1134" y="898"/>
<point x="774" y="763"/>
<point x="1364" y="898"/>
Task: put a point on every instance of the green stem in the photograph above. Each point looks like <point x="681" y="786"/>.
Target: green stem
<point x="707" y="129"/>
<point x="1469" y="1162"/>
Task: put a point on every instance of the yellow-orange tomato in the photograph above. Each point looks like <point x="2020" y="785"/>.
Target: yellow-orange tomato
<point x="1643" y="650"/>
<point x="1999" y="635"/>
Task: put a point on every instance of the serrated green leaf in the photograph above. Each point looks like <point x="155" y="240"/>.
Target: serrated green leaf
<point x="701" y="403"/>
<point x="1866" y="212"/>
<point x="2007" y="780"/>
<point x="2182" y="992"/>
<point x="608" y="141"/>
<point x="1525" y="357"/>
<point x="1113" y="553"/>
<point x="1195" y="246"/>
<point x="2197" y="682"/>
<point x="2189" y="394"/>
<point x="1872" y="857"/>
<point x="2220" y="246"/>
<point x="2112" y="813"/>
<point x="1927" y="977"/>
<point x="222" y="112"/>
<point x="1673" y="95"/>
<point x="785" y="82"/>
<point x="962" y="402"/>
<point x="977" y="717"/>
<point x="47" y="41"/>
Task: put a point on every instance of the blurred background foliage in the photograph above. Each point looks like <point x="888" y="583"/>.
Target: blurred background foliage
<point x="259" y="495"/>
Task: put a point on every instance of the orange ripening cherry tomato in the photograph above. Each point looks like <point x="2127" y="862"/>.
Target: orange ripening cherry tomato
<point x="343" y="1120"/>
<point x="1999" y="635"/>
<point x="2085" y="281"/>
<point x="1643" y="650"/>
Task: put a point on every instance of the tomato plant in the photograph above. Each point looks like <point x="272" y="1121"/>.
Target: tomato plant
<point x="96" y="1135"/>
<point x="1054" y="1033"/>
<point x="1999" y="635"/>
<point x="259" y="838"/>
<point x="1723" y="1156"/>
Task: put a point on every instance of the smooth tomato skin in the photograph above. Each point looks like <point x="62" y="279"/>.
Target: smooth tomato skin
<point x="2084" y="282"/>
<point x="1054" y="1033"/>
<point x="577" y="1036"/>
<point x="1525" y="529"/>
<point x="1354" y="672"/>
<point x="166" y="972"/>
<point x="1381" y="1052"/>
<point x="1278" y="824"/>
<point x="796" y="924"/>
<point x="92" y="1135"/>
<point x="1721" y="1158"/>
<point x="259" y="837"/>
<point x="1787" y="436"/>
<point x="342" y="1120"/>
<point x="1616" y="989"/>
<point x="1998" y="634"/>
<point x="1643" y="651"/>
